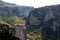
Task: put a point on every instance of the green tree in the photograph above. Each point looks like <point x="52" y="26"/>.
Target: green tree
<point x="3" y="22"/>
<point x="13" y="20"/>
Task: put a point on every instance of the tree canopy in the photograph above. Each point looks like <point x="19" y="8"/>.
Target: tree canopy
<point x="12" y="20"/>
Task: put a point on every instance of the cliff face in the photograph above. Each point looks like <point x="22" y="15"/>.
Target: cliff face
<point x="24" y="10"/>
<point x="9" y="9"/>
<point x="49" y="20"/>
<point x="49" y="15"/>
<point x="15" y="11"/>
<point x="44" y="14"/>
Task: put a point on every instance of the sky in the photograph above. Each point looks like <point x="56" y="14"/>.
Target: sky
<point x="35" y="3"/>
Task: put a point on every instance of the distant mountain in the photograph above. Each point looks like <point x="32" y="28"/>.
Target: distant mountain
<point x="5" y="3"/>
<point x="9" y="9"/>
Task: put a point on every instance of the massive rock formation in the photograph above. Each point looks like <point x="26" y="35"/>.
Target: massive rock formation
<point x="48" y="19"/>
<point x="44" y="14"/>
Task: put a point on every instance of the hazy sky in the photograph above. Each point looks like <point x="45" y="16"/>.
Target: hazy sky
<point x="35" y="3"/>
